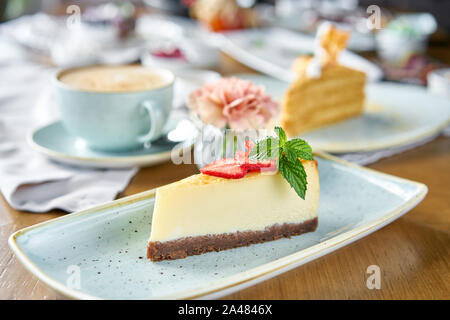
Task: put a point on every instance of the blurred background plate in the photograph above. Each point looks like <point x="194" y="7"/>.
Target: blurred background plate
<point x="395" y="114"/>
<point x="273" y="50"/>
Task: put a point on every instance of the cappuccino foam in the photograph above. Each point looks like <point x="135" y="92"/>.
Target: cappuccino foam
<point x="113" y="79"/>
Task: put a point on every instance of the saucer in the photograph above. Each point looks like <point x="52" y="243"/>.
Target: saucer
<point x="55" y="142"/>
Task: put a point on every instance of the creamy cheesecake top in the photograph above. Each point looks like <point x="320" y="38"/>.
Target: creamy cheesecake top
<point x="206" y="205"/>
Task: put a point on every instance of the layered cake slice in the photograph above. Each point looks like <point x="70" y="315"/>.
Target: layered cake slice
<point x="236" y="202"/>
<point x="324" y="92"/>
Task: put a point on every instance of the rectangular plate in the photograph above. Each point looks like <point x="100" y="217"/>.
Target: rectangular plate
<point x="105" y="247"/>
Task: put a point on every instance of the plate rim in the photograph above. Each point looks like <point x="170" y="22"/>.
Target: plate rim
<point x="378" y="146"/>
<point x="427" y="132"/>
<point x="110" y="162"/>
<point x="247" y="278"/>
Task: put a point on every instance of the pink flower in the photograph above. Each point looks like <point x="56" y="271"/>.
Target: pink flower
<point x="238" y="103"/>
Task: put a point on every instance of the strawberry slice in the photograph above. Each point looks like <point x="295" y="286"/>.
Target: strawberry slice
<point x="241" y="157"/>
<point x="249" y="145"/>
<point x="237" y="167"/>
<point x="225" y="168"/>
<point x="256" y="166"/>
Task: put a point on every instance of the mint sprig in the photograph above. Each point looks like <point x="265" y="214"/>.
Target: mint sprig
<point x="288" y="154"/>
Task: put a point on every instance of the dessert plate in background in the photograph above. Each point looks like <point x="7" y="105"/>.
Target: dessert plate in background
<point x="395" y="115"/>
<point x="273" y="50"/>
<point x="106" y="245"/>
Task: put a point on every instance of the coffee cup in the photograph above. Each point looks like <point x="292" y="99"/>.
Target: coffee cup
<point x="114" y="108"/>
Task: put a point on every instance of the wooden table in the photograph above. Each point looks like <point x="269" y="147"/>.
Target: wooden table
<point x="413" y="252"/>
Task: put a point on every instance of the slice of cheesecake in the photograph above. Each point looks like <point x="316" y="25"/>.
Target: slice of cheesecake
<point x="205" y="213"/>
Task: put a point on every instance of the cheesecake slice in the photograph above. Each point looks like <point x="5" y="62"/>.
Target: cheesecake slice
<point x="205" y="213"/>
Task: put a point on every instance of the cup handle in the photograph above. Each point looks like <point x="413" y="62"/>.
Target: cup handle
<point x="156" y="119"/>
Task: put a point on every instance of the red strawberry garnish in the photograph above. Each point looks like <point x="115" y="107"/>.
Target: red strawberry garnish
<point x="225" y="168"/>
<point x="249" y="145"/>
<point x="240" y="157"/>
<point x="252" y="166"/>
<point x="256" y="166"/>
<point x="237" y="167"/>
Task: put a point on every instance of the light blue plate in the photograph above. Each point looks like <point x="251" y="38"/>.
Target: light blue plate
<point x="396" y="114"/>
<point x="55" y="142"/>
<point x="106" y="246"/>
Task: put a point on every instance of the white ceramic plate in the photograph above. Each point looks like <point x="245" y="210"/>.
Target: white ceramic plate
<point x="272" y="51"/>
<point x="106" y="245"/>
<point x="396" y="114"/>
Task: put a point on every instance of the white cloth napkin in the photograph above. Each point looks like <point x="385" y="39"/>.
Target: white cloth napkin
<point x="29" y="181"/>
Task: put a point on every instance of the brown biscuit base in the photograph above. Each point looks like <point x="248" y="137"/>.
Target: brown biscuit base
<point x="181" y="248"/>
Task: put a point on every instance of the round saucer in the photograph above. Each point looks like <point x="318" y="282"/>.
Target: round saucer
<point x="54" y="141"/>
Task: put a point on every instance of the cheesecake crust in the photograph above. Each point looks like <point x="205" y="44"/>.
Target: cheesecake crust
<point x="181" y="248"/>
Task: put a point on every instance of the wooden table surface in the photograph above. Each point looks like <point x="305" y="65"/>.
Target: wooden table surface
<point x="413" y="252"/>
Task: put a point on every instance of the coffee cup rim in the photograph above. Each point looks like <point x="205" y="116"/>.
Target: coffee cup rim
<point x="61" y="84"/>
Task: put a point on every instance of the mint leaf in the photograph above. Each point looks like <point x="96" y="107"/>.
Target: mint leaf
<point x="265" y="149"/>
<point x="288" y="154"/>
<point x="295" y="175"/>
<point x="301" y="148"/>
<point x="281" y="135"/>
